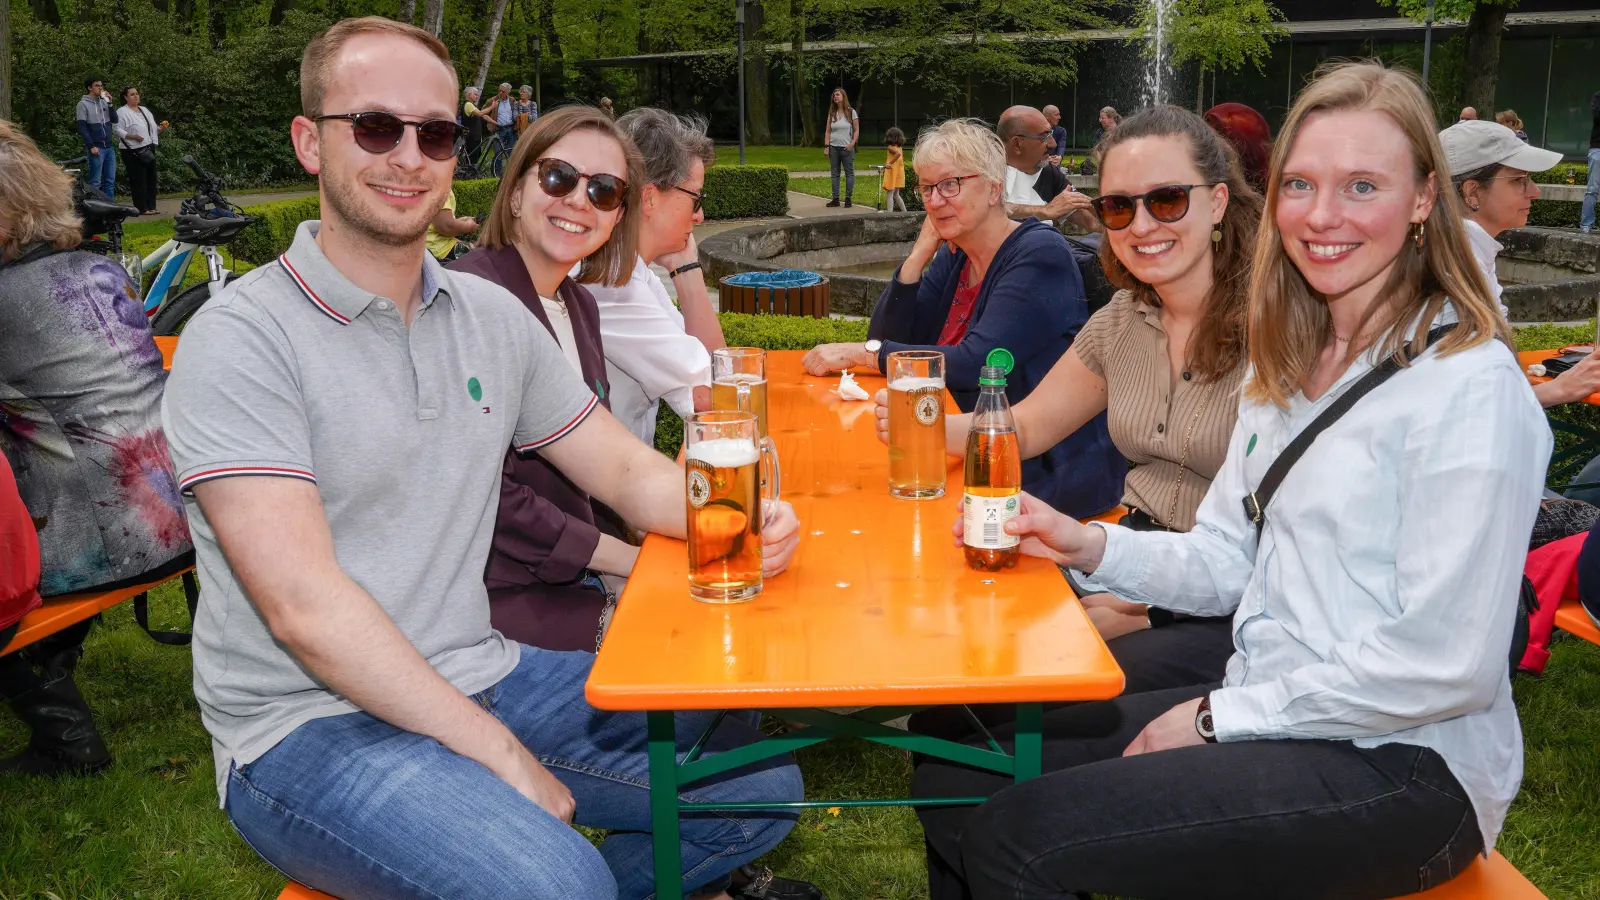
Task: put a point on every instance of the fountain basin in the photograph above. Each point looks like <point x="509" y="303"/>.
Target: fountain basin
<point x="1549" y="274"/>
<point x="858" y="253"/>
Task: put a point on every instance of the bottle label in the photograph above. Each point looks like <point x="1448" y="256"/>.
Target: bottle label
<point x="983" y="520"/>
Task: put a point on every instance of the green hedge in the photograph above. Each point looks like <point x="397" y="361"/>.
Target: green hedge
<point x="768" y="333"/>
<point x="742" y="192"/>
<point x="273" y="229"/>
<point x="1558" y="213"/>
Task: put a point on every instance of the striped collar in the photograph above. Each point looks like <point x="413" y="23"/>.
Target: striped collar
<point x="334" y="294"/>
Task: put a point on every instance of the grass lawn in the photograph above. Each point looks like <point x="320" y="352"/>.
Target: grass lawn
<point x="797" y="159"/>
<point x="150" y="828"/>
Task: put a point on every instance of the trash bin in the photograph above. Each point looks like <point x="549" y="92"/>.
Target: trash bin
<point x="790" y="292"/>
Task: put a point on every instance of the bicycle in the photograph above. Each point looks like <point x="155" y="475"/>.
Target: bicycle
<point x="491" y="158"/>
<point x="204" y="222"/>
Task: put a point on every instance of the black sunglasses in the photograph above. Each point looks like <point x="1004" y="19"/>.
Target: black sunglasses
<point x="699" y="199"/>
<point x="1167" y="203"/>
<point x="559" y="178"/>
<point x="380" y="132"/>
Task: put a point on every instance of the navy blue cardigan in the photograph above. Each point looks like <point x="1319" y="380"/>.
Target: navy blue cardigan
<point x="1031" y="303"/>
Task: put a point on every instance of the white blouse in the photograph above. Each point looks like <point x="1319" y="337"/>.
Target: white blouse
<point x="140" y="122"/>
<point x="649" y="357"/>
<point x="1379" y="605"/>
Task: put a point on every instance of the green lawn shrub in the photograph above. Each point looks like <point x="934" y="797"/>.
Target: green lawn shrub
<point x="742" y="192"/>
<point x="1558" y="213"/>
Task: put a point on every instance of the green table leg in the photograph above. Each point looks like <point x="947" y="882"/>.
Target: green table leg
<point x="1029" y="751"/>
<point x="663" y="753"/>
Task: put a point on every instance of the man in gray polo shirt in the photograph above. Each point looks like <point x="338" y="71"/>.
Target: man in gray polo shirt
<point x="339" y="418"/>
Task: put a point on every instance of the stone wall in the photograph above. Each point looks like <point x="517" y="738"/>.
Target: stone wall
<point x="1559" y="271"/>
<point x="802" y="243"/>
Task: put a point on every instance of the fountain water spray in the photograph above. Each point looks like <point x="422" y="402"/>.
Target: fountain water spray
<point x="1155" y="67"/>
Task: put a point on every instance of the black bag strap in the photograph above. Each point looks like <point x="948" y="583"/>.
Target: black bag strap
<point x="1255" y="502"/>
<point x="141" y="614"/>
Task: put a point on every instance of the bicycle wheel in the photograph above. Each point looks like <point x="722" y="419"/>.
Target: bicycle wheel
<point x="497" y="163"/>
<point x="177" y="312"/>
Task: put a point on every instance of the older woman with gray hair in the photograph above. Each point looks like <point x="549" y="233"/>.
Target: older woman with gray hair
<point x="977" y="280"/>
<point x="654" y="350"/>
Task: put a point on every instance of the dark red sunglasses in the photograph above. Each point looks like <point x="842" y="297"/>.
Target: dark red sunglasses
<point x="559" y="178"/>
<point x="380" y="132"/>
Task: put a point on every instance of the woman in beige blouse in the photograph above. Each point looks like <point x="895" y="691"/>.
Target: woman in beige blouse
<point x="1164" y="359"/>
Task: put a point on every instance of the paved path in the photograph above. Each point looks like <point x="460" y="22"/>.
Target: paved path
<point x="169" y="207"/>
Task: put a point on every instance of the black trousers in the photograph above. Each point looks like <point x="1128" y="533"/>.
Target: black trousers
<point x="1186" y="653"/>
<point x="141" y="180"/>
<point x="1256" y="819"/>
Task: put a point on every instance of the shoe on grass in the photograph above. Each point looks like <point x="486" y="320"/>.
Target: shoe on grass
<point x="758" y="883"/>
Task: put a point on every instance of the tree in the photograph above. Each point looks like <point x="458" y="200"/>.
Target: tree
<point x="408" y="12"/>
<point x="1219" y="35"/>
<point x="757" y="95"/>
<point x="5" y="60"/>
<point x="489" y="41"/>
<point x="433" y="16"/>
<point x="1486" y="21"/>
<point x="951" y="47"/>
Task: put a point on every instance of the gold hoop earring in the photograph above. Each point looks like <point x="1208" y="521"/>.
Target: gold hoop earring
<point x="1420" y="236"/>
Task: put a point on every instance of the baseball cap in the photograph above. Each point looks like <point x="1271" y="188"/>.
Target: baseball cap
<point x="1474" y="144"/>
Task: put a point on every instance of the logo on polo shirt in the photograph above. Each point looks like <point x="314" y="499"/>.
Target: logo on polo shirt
<point x="475" y="391"/>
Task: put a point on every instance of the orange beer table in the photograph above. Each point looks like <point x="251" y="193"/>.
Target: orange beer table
<point x="1567" y="460"/>
<point x="877" y="609"/>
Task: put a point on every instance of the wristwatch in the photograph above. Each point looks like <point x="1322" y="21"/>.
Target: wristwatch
<point x="1203" y="723"/>
<point x="873" y="346"/>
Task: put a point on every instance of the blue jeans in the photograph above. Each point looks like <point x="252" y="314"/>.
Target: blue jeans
<point x="1592" y="191"/>
<point x="103" y="172"/>
<point x="842" y="158"/>
<point x="357" y="808"/>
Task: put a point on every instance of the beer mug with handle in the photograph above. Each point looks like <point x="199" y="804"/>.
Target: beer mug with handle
<point x="916" y="424"/>
<point x="723" y="456"/>
<point x="739" y="382"/>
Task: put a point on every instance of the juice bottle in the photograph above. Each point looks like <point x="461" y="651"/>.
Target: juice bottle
<point x="993" y="488"/>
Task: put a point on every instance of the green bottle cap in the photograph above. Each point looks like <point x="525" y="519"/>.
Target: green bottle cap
<point x="1002" y="358"/>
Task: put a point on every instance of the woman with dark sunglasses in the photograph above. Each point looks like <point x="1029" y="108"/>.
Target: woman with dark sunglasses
<point x="1163" y="361"/>
<point x="570" y="197"/>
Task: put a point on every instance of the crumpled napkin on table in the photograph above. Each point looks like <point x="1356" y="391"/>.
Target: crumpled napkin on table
<point x="849" y="390"/>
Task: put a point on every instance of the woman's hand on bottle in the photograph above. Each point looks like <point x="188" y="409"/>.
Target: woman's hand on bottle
<point x="1051" y="535"/>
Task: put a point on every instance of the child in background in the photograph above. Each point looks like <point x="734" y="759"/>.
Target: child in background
<point x="894" y="171"/>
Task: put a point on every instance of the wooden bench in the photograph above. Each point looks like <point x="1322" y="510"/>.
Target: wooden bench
<point x="1574" y="619"/>
<point x="70" y="609"/>
<point x="1486" y="879"/>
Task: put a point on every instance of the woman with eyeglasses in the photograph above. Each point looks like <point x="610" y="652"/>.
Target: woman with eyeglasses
<point x="976" y="280"/>
<point x="1367" y="535"/>
<point x="1163" y="362"/>
<point x="657" y="350"/>
<point x="1489" y="166"/>
<point x="570" y="197"/>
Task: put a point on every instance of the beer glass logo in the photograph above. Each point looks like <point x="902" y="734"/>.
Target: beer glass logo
<point x="699" y="488"/>
<point x="928" y="407"/>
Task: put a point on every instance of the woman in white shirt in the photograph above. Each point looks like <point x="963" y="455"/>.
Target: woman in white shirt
<point x="1364" y="743"/>
<point x="1489" y="166"/>
<point x="844" y="129"/>
<point x="656" y="351"/>
<point x="138" y="133"/>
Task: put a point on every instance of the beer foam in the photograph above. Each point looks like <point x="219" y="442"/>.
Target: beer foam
<point x="724" y="453"/>
<point x="910" y="383"/>
<point x="741" y="378"/>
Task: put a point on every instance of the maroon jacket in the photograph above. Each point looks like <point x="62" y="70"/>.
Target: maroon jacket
<point x="545" y="533"/>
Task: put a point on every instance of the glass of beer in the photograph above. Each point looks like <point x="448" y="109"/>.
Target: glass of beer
<point x="916" y="424"/>
<point x="739" y="382"/>
<point x="723" y="456"/>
